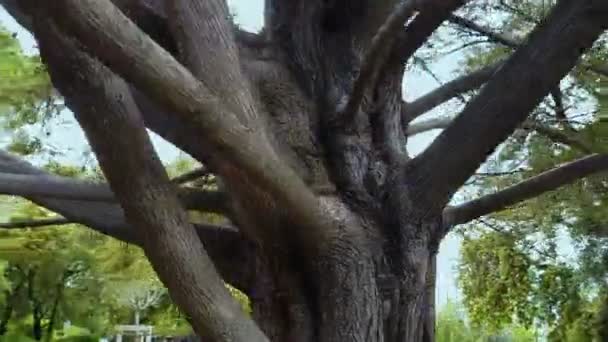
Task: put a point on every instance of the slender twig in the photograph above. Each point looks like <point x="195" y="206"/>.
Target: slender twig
<point x="510" y="42"/>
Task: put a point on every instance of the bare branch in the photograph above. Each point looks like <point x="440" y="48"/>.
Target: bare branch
<point x="49" y="186"/>
<point x="448" y="91"/>
<point x="529" y="74"/>
<point x="510" y="42"/>
<point x="150" y="17"/>
<point x="553" y="134"/>
<point x="546" y="181"/>
<point x="427" y="125"/>
<point x="107" y="218"/>
<point x="35" y="223"/>
<point x="118" y="42"/>
<point x="230" y="251"/>
<point x="471" y="25"/>
<point x="53" y="186"/>
<point x="375" y="57"/>
<point x="140" y="182"/>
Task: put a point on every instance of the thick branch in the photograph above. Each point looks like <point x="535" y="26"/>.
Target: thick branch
<point x="118" y="42"/>
<point x="149" y="15"/>
<point x="529" y="74"/>
<point x="117" y="134"/>
<point x="510" y="42"/>
<point x="106" y="218"/>
<point x="432" y="14"/>
<point x="230" y="251"/>
<point x="207" y="47"/>
<point x="375" y="58"/>
<point x="25" y="185"/>
<point x="449" y="90"/>
<point x="546" y="181"/>
<point x="553" y="134"/>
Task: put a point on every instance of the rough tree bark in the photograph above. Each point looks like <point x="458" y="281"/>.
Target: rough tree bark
<point x="336" y="227"/>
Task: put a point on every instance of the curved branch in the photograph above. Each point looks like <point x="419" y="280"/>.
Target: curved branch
<point x="432" y="14"/>
<point x="149" y="15"/>
<point x="375" y="57"/>
<point x="116" y="40"/>
<point x="550" y="52"/>
<point x="117" y="134"/>
<point x="529" y="188"/>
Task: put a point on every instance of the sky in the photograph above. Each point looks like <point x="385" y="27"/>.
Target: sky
<point x="67" y="137"/>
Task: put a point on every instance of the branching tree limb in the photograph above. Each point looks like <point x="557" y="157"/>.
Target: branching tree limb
<point x="117" y="135"/>
<point x="230" y="251"/>
<point x="106" y="218"/>
<point x="375" y="58"/>
<point x="432" y="14"/>
<point x="529" y="188"/>
<point x="493" y="114"/>
<point x="116" y="40"/>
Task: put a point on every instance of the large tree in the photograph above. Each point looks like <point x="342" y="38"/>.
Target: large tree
<point x="333" y="227"/>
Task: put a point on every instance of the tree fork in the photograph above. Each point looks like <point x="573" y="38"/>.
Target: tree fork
<point x="278" y="115"/>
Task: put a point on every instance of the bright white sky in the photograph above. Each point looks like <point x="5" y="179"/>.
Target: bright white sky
<point x="67" y="137"/>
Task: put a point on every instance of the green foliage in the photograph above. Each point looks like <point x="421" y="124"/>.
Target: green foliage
<point x="24" y="80"/>
<point x="545" y="261"/>
<point x="452" y="327"/>
<point x="494" y="277"/>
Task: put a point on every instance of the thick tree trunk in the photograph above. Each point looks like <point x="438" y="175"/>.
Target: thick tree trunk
<point x="345" y="235"/>
<point x="349" y="287"/>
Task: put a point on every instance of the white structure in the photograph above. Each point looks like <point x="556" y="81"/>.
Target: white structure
<point x="144" y="332"/>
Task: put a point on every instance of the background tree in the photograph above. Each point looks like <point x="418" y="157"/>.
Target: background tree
<point x="536" y="263"/>
<point x="333" y="226"/>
